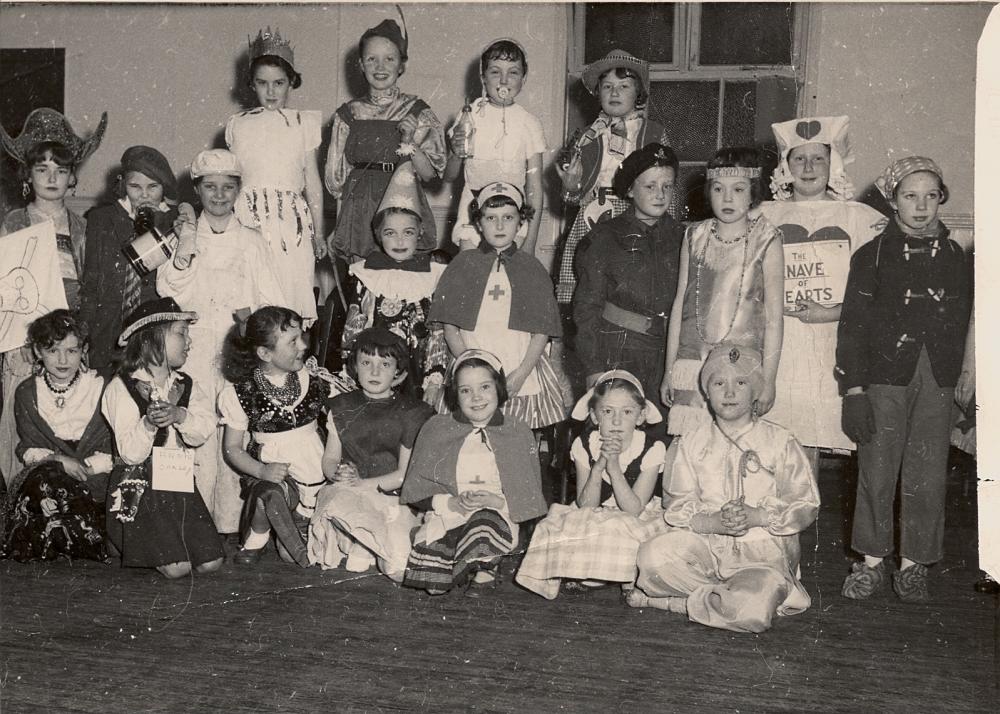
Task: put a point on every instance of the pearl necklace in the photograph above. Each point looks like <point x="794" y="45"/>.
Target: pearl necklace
<point x="714" y="232"/>
<point x="60" y="392"/>
<point x="282" y="396"/>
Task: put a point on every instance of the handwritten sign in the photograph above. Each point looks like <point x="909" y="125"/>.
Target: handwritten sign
<point x="30" y="281"/>
<point x="817" y="269"/>
<point x="173" y="469"/>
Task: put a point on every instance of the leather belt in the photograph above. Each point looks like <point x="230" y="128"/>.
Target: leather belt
<point x="631" y="320"/>
<point x="384" y="166"/>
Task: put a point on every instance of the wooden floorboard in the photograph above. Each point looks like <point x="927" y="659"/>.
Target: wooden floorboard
<point x="83" y="637"/>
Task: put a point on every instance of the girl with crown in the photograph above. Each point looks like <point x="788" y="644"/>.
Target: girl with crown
<point x="281" y="193"/>
<point x="383" y="133"/>
<point x="50" y="154"/>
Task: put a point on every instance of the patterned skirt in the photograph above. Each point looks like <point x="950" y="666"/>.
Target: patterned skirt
<point x="587" y="217"/>
<point x="587" y="544"/>
<point x="477" y="544"/>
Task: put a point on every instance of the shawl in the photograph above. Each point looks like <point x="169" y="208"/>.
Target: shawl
<point x="435" y="460"/>
<point x="36" y="433"/>
<point x="459" y="293"/>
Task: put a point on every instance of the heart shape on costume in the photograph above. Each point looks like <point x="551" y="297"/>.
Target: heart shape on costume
<point x="808" y="129"/>
<point x="794" y="233"/>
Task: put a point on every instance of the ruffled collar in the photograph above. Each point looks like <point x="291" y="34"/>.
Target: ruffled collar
<point x="383" y="97"/>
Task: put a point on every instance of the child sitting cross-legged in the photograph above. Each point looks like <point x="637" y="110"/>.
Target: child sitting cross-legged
<point x="740" y="491"/>
<point x="617" y="494"/>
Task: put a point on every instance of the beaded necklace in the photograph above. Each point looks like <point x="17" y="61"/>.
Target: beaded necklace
<point x="60" y="392"/>
<point x="282" y="396"/>
<point x="714" y="233"/>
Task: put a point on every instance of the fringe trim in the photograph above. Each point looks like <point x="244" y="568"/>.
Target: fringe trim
<point x="684" y="374"/>
<point x="683" y="419"/>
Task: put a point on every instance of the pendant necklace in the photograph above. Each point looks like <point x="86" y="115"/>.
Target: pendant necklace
<point x="60" y="392"/>
<point x="700" y="261"/>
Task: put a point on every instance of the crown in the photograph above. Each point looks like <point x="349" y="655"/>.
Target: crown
<point x="733" y="171"/>
<point x="270" y="42"/>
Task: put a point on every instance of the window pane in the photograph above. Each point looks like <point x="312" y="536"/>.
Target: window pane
<point x="645" y="30"/>
<point x="746" y="33"/>
<point x="739" y="109"/>
<point x="690" y="113"/>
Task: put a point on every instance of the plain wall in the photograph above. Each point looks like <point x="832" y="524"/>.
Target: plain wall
<point x="905" y="73"/>
<point x="170" y="76"/>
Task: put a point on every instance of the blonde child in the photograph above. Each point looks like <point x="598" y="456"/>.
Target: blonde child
<point x="65" y="446"/>
<point x="508" y="143"/>
<point x="740" y="492"/>
<point x="498" y="298"/>
<point x="393" y="290"/>
<point x="587" y="167"/>
<point x="729" y="289"/>
<point x="371" y="432"/>
<point x="477" y="475"/>
<point x="278" y="399"/>
<point x="156" y="517"/>
<point x="281" y="193"/>
<point x="49" y="154"/>
<point x="384" y="133"/>
<point x="618" y="494"/>
<point x="220" y="267"/>
<point x="900" y="344"/>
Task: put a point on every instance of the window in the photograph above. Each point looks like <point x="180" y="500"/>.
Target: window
<point x="720" y="74"/>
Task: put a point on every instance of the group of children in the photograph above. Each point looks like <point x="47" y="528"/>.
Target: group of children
<point x="421" y="457"/>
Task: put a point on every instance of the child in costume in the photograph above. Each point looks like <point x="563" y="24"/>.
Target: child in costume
<point x="219" y="267"/>
<point x="275" y="396"/>
<point x="618" y="494"/>
<point x="729" y="289"/>
<point x="587" y="168"/>
<point x="49" y="154"/>
<point x="477" y="475"/>
<point x="821" y="227"/>
<point x="498" y="298"/>
<point x="371" y="432"/>
<point x="281" y="193"/>
<point x="112" y="287"/>
<point x="628" y="274"/>
<point x="740" y="492"/>
<point x="155" y="515"/>
<point x="508" y="143"/>
<point x="384" y="133"/>
<point x="66" y="447"/>
<point x="394" y="286"/>
<point x="900" y="345"/>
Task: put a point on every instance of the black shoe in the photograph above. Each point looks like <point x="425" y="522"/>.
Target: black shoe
<point x="987" y="585"/>
<point x="248" y="556"/>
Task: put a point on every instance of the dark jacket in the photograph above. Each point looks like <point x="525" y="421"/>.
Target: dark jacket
<point x="882" y="332"/>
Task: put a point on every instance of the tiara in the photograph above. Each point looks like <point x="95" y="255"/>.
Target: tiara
<point x="270" y="42"/>
<point x="733" y="171"/>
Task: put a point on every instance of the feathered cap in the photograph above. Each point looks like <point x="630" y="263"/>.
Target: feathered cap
<point x="391" y="30"/>
<point x="49" y="125"/>
<point x="831" y="131"/>
<point x="270" y="42"/>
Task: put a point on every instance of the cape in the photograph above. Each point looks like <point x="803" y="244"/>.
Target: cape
<point x="435" y="460"/>
<point x="459" y="293"/>
<point x="36" y="433"/>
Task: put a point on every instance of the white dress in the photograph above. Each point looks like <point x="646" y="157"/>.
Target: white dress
<point x="505" y="138"/>
<point x="231" y="270"/>
<point x="819" y="238"/>
<point x="272" y="148"/>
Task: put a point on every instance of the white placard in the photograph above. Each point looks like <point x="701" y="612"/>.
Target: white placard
<point x="30" y="281"/>
<point x="173" y="469"/>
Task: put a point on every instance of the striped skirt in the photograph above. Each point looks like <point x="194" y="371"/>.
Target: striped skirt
<point x="477" y="544"/>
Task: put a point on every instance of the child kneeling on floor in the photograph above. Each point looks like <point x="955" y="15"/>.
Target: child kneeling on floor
<point x="476" y="472"/>
<point x="740" y="491"/>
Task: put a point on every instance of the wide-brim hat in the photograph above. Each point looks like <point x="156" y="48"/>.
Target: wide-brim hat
<point x="215" y="162"/>
<point x="150" y="162"/>
<point x="47" y="124"/>
<point x="151" y="312"/>
<point x="615" y="58"/>
<point x="832" y="131"/>
<point x="581" y="410"/>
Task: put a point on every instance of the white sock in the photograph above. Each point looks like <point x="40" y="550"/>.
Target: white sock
<point x="905" y="563"/>
<point x="256" y="541"/>
<point x="872" y="562"/>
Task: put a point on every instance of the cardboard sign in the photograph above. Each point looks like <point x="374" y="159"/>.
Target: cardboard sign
<point x="30" y="281"/>
<point x="817" y="271"/>
<point x="173" y="469"/>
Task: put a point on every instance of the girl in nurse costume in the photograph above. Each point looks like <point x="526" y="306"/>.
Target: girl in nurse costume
<point x="281" y="192"/>
<point x="498" y="298"/>
<point x="740" y="492"/>
<point x="219" y="267"/>
<point x="821" y="229"/>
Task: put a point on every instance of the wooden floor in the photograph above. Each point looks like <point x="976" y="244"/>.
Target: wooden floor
<point x="83" y="637"/>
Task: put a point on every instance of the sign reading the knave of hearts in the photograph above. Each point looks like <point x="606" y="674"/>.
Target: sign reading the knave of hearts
<point x="816" y="264"/>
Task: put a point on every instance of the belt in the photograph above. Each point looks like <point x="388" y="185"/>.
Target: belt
<point x="631" y="320"/>
<point x="384" y="166"/>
